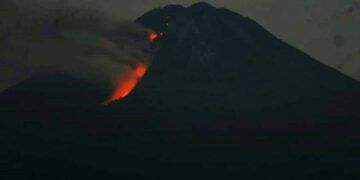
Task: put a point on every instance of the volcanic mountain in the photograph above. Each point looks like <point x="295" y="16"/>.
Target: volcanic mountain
<point x="223" y="97"/>
<point x="214" y="60"/>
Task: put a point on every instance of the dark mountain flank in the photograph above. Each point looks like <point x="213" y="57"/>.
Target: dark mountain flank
<point x="215" y="59"/>
<point x="223" y="99"/>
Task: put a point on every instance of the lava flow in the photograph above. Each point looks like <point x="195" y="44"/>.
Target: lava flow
<point x="153" y="36"/>
<point x="125" y="86"/>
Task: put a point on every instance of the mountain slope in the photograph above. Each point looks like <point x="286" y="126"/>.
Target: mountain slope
<point x="214" y="59"/>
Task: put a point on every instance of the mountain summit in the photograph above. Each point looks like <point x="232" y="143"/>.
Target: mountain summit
<point x="212" y="59"/>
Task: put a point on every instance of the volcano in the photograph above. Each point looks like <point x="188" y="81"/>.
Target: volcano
<point x="215" y="59"/>
<point x="223" y="98"/>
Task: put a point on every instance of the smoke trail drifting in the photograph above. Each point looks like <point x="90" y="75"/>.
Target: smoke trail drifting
<point x="38" y="36"/>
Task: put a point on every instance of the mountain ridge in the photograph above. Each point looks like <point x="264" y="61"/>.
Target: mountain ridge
<point x="218" y="46"/>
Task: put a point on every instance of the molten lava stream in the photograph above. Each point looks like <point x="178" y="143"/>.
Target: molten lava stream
<point x="153" y="36"/>
<point x="125" y="86"/>
<point x="140" y="71"/>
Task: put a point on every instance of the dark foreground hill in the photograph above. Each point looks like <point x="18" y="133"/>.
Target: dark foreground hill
<point x="223" y="99"/>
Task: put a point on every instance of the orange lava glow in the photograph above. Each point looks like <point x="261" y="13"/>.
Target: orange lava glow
<point x="124" y="89"/>
<point x="140" y="71"/>
<point x="153" y="36"/>
<point x="125" y="86"/>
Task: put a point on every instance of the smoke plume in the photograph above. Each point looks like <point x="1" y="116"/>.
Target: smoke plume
<point x="52" y="36"/>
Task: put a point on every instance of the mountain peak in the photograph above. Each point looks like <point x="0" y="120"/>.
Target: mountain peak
<point x="201" y="5"/>
<point x="206" y="22"/>
<point x="174" y="7"/>
<point x="218" y="56"/>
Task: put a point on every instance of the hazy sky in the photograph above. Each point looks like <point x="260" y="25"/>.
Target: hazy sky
<point x="328" y="30"/>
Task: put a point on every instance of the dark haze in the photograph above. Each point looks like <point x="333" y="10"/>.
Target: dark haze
<point x="39" y="36"/>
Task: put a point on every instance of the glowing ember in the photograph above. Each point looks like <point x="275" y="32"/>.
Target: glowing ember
<point x="153" y="36"/>
<point x="124" y="89"/>
<point x="140" y="71"/>
<point x="125" y="86"/>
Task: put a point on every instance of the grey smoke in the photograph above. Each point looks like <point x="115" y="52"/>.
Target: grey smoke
<point x="339" y="40"/>
<point x="52" y="36"/>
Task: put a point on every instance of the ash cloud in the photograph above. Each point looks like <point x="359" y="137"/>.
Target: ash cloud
<point x="53" y="36"/>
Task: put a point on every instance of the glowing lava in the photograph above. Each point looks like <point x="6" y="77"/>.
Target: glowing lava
<point x="125" y="86"/>
<point x="140" y="71"/>
<point x="153" y="36"/>
<point x="124" y="89"/>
